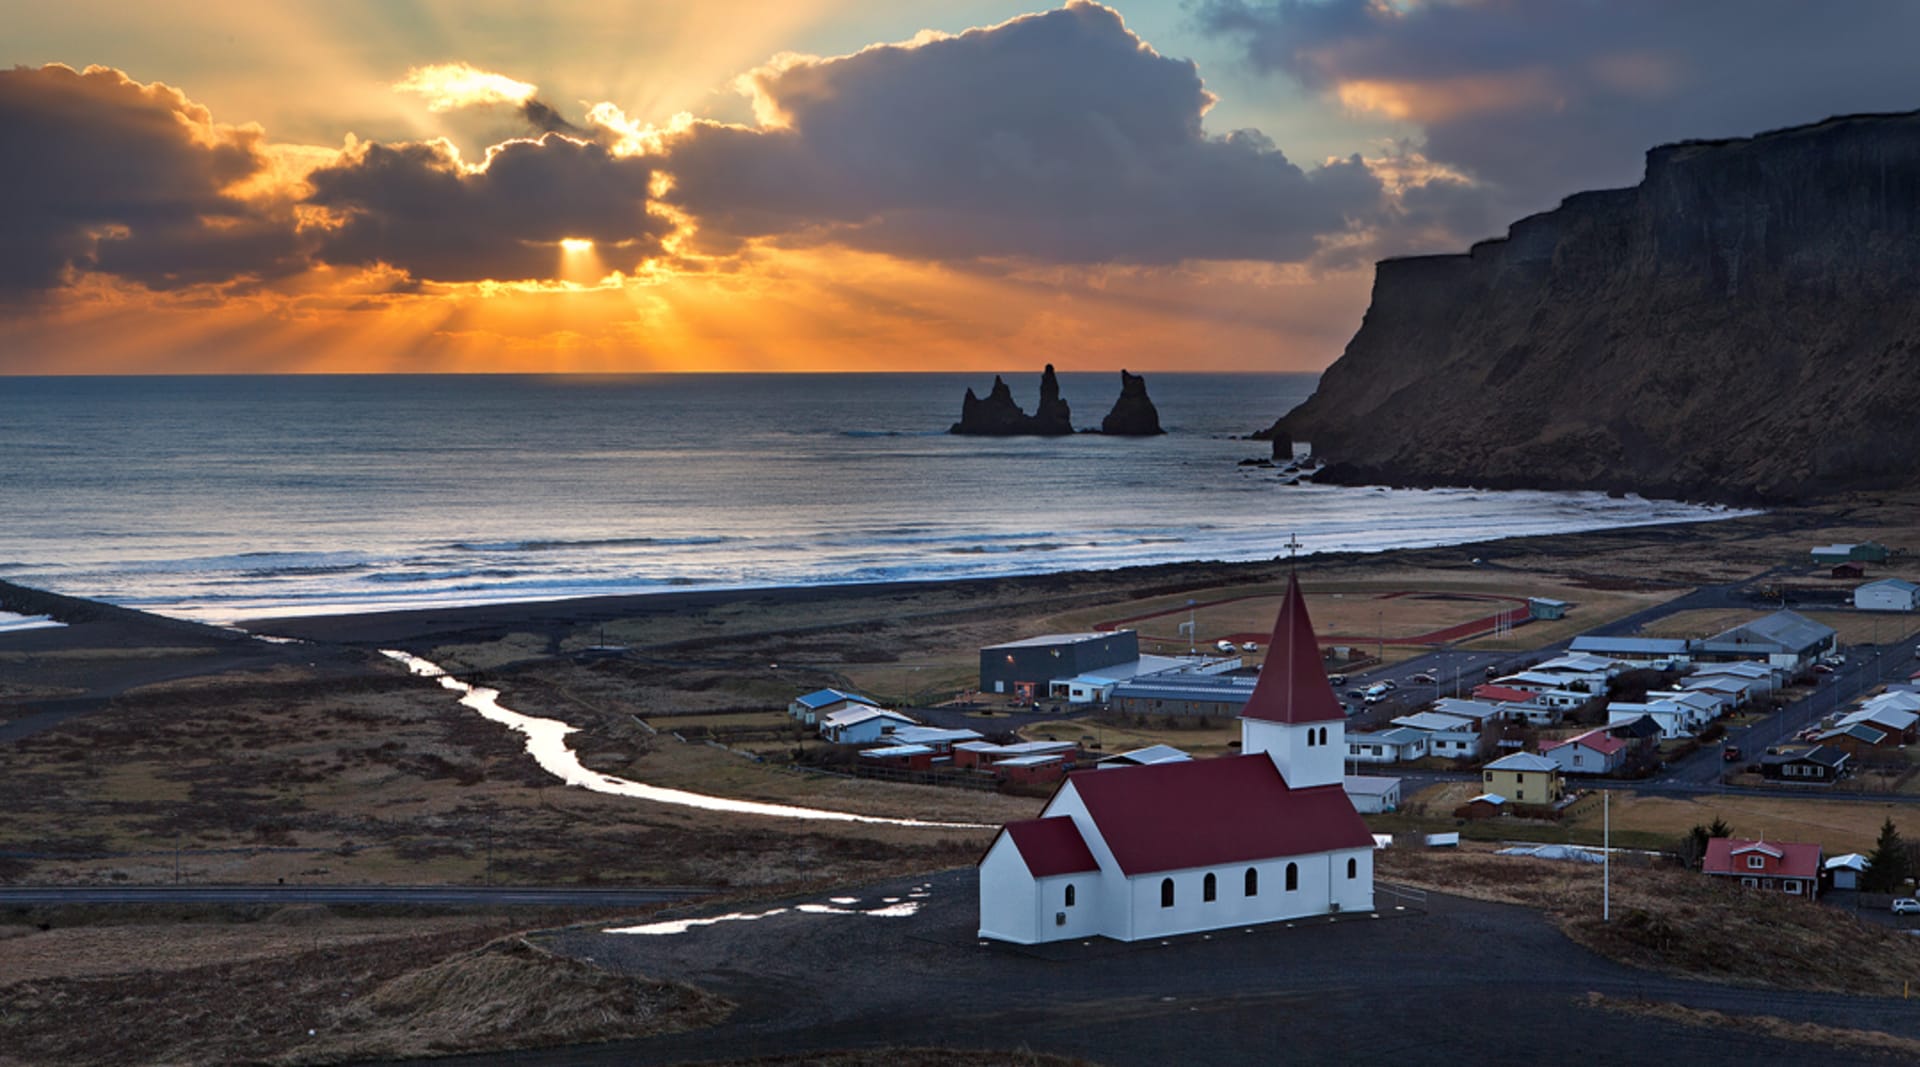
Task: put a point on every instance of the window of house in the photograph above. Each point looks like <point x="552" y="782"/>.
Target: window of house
<point x="1520" y="794"/>
<point x="1166" y="892"/>
<point x="1353" y="868"/>
<point x="1209" y="888"/>
<point x="1756" y="862"/>
<point x="1792" y="886"/>
<point x="1293" y="877"/>
<point x="1253" y="882"/>
<point x="1576" y="759"/>
<point x="1069" y="894"/>
<point x="1750" y="882"/>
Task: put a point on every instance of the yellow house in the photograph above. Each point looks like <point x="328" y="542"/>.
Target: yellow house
<point x="1524" y="778"/>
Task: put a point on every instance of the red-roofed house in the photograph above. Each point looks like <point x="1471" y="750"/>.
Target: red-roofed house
<point x="1195" y="845"/>
<point x="1594" y="752"/>
<point x="1780" y="867"/>
<point x="1502" y="694"/>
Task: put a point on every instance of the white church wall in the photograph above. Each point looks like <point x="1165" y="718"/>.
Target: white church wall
<point x="1107" y="908"/>
<point x="1058" y="920"/>
<point x="1356" y="893"/>
<point x="1272" y="902"/>
<point x="1296" y="750"/>
<point x="1008" y="895"/>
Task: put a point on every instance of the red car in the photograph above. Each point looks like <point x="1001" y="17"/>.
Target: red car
<point x="1730" y="754"/>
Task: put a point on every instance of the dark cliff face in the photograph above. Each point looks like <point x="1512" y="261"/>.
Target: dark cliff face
<point x="1742" y="325"/>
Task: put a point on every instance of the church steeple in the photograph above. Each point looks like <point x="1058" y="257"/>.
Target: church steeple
<point x="1293" y="715"/>
<point x="1293" y="687"/>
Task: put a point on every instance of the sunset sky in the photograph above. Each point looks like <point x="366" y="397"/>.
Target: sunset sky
<point x="762" y="185"/>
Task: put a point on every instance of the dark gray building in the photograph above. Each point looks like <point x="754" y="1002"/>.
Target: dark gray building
<point x="1184" y="695"/>
<point x="1022" y="669"/>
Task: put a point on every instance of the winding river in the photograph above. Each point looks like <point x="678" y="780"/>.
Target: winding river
<point x="547" y="744"/>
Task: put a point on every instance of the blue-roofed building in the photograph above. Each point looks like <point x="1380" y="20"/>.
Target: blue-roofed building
<point x="1183" y="694"/>
<point x="1638" y="649"/>
<point x="817" y="705"/>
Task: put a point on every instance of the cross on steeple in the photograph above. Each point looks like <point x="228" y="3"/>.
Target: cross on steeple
<point x="1293" y="547"/>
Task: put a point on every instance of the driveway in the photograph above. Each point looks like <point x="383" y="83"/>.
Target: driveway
<point x="1447" y="981"/>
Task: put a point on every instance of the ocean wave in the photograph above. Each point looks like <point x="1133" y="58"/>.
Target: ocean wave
<point x="893" y="433"/>
<point x="561" y="544"/>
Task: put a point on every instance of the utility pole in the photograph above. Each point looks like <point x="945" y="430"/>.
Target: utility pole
<point x="1606" y="856"/>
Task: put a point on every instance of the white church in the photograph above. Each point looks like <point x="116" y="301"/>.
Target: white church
<point x="1177" y="848"/>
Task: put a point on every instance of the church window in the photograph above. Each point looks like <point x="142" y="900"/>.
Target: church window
<point x="1069" y="894"/>
<point x="1253" y="882"/>
<point x="1323" y="735"/>
<point x="1309" y="738"/>
<point x="1293" y="877"/>
<point x="1209" y="888"/>
<point x="1353" y="869"/>
<point x="1166" y="892"/>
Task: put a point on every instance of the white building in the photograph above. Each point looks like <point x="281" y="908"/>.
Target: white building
<point x="861" y="724"/>
<point x="817" y="705"/>
<point x="1396" y="745"/>
<point x="1372" y="794"/>
<point x="1450" y="736"/>
<point x="1191" y="845"/>
<point x="1887" y="594"/>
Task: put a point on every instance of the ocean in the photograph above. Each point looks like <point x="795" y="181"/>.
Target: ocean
<point x="225" y="498"/>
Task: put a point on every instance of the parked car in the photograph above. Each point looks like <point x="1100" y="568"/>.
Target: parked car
<point x="1356" y="694"/>
<point x="1336" y="679"/>
<point x="1730" y="754"/>
<point x="1493" y="671"/>
<point x="1250" y="646"/>
<point x="1906" y="906"/>
<point x="1225" y="646"/>
<point x="1424" y="678"/>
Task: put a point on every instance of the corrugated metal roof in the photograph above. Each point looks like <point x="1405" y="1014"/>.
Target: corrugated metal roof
<point x="1369" y="785"/>
<point x="1055" y="639"/>
<point x="893" y="751"/>
<point x="820" y="698"/>
<point x="1398" y="735"/>
<point x="1789" y="631"/>
<point x="1522" y="761"/>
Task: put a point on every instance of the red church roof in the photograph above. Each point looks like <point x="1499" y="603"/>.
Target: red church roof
<point x="1202" y="813"/>
<point x="1293" y="686"/>
<point x="1051" y="846"/>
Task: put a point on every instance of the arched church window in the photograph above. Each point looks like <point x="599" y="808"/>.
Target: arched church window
<point x="1253" y="882"/>
<point x="1353" y="867"/>
<point x="1293" y="877"/>
<point x="1323" y="735"/>
<point x="1070" y="891"/>
<point x="1209" y="888"/>
<point x="1309" y="738"/>
<point x="1166" y="892"/>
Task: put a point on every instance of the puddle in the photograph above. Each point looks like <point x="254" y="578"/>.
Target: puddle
<point x="547" y="744"/>
<point x="681" y="926"/>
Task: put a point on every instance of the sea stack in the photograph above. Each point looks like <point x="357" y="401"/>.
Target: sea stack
<point x="999" y="416"/>
<point x="1133" y="415"/>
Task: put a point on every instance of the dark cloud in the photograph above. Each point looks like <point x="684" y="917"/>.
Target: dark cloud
<point x="413" y="206"/>
<point x="1544" y="99"/>
<point x="545" y="119"/>
<point x="102" y="173"/>
<point x="1057" y="137"/>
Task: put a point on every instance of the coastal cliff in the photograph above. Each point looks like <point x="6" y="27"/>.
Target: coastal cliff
<point x="1740" y="326"/>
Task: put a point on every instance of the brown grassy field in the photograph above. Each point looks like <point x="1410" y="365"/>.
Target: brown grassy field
<point x="1652" y="821"/>
<point x="320" y="990"/>
<point x="1831" y="1037"/>
<point x="1679" y="922"/>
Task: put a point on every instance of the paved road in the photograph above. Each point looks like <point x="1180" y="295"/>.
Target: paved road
<point x="1446" y="981"/>
<point x="452" y="896"/>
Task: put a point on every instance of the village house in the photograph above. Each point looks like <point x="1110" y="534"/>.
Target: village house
<point x="1805" y="765"/>
<point x="1595" y="752"/>
<point x="1189" y="845"/>
<point x="1524" y="778"/>
<point x="1447" y="735"/>
<point x="812" y="707"/>
<point x="1641" y="651"/>
<point x="862" y="724"/>
<point x="1396" y="745"/>
<point x="1780" y="867"/>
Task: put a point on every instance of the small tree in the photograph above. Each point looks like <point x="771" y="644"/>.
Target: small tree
<point x="1693" y="846"/>
<point x="1719" y="828"/>
<point x="1889" y="866"/>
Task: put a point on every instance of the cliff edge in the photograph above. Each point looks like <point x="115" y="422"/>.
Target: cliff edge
<point x="1740" y="326"/>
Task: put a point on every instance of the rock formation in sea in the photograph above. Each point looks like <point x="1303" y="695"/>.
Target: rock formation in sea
<point x="1133" y="414"/>
<point x="1742" y="325"/>
<point x="999" y="416"/>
